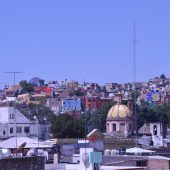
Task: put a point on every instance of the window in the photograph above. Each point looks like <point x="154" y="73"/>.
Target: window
<point x="114" y="126"/>
<point x="11" y="130"/>
<point x="155" y="130"/>
<point x="122" y="127"/>
<point x="47" y="129"/>
<point x="19" y="129"/>
<point x="107" y="127"/>
<point x="26" y="129"/>
<point x="141" y="163"/>
<point x="11" y="116"/>
<point x="130" y="126"/>
<point x="3" y="132"/>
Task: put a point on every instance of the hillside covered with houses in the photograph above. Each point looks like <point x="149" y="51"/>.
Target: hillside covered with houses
<point x="87" y="103"/>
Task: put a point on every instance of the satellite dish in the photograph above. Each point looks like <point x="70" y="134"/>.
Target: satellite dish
<point x="22" y="146"/>
<point x="85" y="159"/>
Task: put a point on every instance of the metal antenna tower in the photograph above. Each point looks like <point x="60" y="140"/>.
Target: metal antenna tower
<point x="134" y="79"/>
<point x="14" y="78"/>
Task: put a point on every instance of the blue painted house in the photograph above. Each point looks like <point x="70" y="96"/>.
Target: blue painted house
<point x="71" y="104"/>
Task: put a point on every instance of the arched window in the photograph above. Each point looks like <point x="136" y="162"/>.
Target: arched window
<point x="107" y="127"/>
<point x="155" y="130"/>
<point x="114" y="127"/>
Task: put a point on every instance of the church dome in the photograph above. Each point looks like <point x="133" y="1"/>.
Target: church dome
<point x="119" y="111"/>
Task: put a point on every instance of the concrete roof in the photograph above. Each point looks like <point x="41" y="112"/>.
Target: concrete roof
<point x="30" y="143"/>
<point x="138" y="150"/>
<point x="95" y="133"/>
<point x="121" y="168"/>
<point x="145" y="129"/>
<point x="158" y="157"/>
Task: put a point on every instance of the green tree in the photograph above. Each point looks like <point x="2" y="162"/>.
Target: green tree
<point x="147" y="114"/>
<point x="86" y="120"/>
<point x="163" y="76"/>
<point x="158" y="113"/>
<point x="98" y="117"/>
<point x="76" y="93"/>
<point x="135" y="94"/>
<point x="63" y="126"/>
<point x="164" y="120"/>
<point x="26" y="87"/>
<point x="66" y="126"/>
<point x="163" y="114"/>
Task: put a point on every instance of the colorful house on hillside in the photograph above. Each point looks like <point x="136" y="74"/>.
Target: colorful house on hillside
<point x="71" y="105"/>
<point x="48" y="91"/>
<point x="95" y="102"/>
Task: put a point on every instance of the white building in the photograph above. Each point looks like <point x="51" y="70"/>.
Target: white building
<point x="154" y="132"/>
<point x="14" y="123"/>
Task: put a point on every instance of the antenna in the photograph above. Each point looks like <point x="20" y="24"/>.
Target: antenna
<point x="134" y="78"/>
<point x="14" y="74"/>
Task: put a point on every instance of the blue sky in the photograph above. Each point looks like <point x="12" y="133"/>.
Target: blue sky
<point x="84" y="40"/>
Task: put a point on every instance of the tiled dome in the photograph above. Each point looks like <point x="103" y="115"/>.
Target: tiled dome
<point x="119" y="111"/>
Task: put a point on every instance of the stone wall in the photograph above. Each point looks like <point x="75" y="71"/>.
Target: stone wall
<point x="113" y="143"/>
<point x="155" y="164"/>
<point x="22" y="163"/>
<point x="109" y="143"/>
<point x="124" y="159"/>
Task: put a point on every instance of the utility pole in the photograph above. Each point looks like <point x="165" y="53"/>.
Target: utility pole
<point x="37" y="121"/>
<point x="14" y="79"/>
<point x="134" y="79"/>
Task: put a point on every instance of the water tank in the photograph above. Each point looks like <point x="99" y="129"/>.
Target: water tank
<point x="35" y="152"/>
<point x="113" y="152"/>
<point x="1" y="154"/>
<point x="107" y="152"/>
<point x="122" y="151"/>
<point x="5" y="153"/>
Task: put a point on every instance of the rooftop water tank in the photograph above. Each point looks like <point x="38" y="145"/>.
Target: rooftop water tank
<point x="5" y="153"/>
